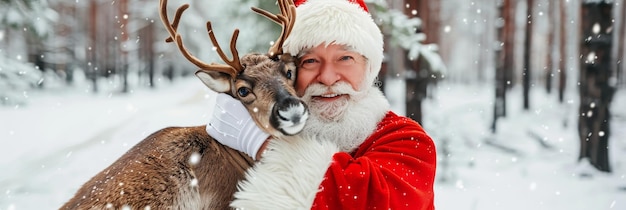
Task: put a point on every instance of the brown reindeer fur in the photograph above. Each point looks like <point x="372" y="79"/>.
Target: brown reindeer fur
<point x="157" y="172"/>
<point x="162" y="176"/>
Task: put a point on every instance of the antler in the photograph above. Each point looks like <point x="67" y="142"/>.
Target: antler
<point x="233" y="66"/>
<point x="285" y="19"/>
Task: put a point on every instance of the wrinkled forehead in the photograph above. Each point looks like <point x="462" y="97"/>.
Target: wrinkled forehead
<point x="308" y="50"/>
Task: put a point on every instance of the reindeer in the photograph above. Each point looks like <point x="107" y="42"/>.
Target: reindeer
<point x="184" y="167"/>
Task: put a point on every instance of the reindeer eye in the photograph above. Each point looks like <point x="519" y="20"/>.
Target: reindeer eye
<point x="243" y="91"/>
<point x="288" y="74"/>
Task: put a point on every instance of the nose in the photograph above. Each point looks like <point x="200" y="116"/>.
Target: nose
<point x="289" y="115"/>
<point x="328" y="74"/>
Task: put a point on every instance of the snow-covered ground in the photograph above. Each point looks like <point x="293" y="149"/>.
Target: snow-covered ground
<point x="59" y="140"/>
<point x="530" y="163"/>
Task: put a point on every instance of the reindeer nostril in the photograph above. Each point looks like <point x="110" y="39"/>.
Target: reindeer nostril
<point x="290" y="116"/>
<point x="292" y="112"/>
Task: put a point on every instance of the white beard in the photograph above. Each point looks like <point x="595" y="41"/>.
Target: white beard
<point x="346" y="122"/>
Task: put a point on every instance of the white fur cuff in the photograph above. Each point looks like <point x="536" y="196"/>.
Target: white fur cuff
<point x="287" y="177"/>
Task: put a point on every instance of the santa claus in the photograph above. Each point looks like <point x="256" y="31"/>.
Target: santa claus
<point x="354" y="153"/>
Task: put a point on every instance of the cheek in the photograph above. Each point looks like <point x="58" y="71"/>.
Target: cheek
<point x="355" y="78"/>
<point x="355" y="81"/>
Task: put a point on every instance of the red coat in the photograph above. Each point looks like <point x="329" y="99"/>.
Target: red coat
<point x="394" y="168"/>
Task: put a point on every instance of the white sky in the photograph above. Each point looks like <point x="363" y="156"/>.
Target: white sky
<point x="60" y="140"/>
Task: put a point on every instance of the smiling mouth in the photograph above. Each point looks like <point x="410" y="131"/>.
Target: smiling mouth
<point x="329" y="97"/>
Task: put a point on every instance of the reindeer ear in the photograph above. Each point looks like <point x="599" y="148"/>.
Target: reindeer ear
<point x="216" y="81"/>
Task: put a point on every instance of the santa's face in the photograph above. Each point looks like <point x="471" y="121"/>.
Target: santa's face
<point x="329" y="80"/>
<point x="329" y="76"/>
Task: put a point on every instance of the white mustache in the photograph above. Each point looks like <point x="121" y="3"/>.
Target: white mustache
<point x="339" y="88"/>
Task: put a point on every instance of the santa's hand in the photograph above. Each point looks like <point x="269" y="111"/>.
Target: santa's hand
<point x="231" y="124"/>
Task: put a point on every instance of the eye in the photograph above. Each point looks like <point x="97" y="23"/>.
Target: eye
<point x="309" y="63"/>
<point x="289" y="74"/>
<point x="345" y="58"/>
<point x="243" y="91"/>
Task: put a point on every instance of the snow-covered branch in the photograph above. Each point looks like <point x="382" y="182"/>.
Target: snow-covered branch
<point x="403" y="32"/>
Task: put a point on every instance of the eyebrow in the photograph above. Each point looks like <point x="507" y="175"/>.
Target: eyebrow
<point x="343" y="47"/>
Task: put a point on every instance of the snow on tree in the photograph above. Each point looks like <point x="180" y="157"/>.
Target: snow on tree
<point x="402" y="31"/>
<point x="16" y="79"/>
<point x="33" y="16"/>
<point x="32" y="19"/>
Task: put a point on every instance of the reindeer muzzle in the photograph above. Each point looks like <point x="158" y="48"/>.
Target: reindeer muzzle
<point x="289" y="115"/>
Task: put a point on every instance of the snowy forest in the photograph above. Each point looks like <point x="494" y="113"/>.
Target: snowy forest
<point x="525" y="99"/>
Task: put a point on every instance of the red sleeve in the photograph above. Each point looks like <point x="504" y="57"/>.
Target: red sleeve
<point x="393" y="169"/>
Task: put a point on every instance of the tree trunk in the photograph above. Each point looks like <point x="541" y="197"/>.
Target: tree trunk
<point x="505" y="24"/>
<point x="71" y="32"/>
<point x="122" y="12"/>
<point x="562" y="50"/>
<point x="620" y="46"/>
<point x="92" y="59"/>
<point x="549" y="76"/>
<point x="150" y="53"/>
<point x="418" y="77"/>
<point x="596" y="92"/>
<point x="527" y="50"/>
<point x="509" y="46"/>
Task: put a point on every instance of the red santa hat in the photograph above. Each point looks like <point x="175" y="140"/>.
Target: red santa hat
<point x="346" y="22"/>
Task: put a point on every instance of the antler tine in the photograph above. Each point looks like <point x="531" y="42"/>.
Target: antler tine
<point x="171" y="28"/>
<point x="235" y="63"/>
<point x="179" y="13"/>
<point x="174" y="36"/>
<point x="286" y="20"/>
